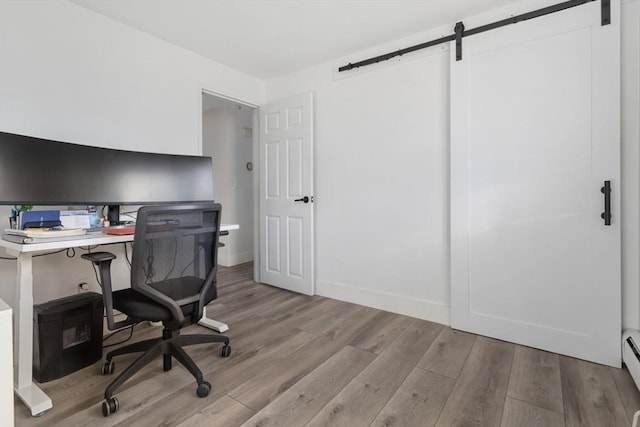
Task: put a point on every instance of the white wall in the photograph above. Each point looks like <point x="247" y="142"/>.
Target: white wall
<point x="630" y="152"/>
<point x="230" y="149"/>
<point x="241" y="241"/>
<point x="381" y="196"/>
<point x="381" y="161"/>
<point x="73" y="75"/>
<point x="69" y="74"/>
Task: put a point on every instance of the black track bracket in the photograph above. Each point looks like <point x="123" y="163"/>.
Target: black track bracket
<point x="459" y="31"/>
<point x="605" y="5"/>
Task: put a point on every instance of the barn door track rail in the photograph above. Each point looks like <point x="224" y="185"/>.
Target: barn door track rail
<point x="460" y="32"/>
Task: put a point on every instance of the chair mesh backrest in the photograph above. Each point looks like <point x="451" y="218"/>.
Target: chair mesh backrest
<point x="175" y="249"/>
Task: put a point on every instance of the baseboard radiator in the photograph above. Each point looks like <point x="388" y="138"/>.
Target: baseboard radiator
<point x="631" y="358"/>
<point x="631" y="353"/>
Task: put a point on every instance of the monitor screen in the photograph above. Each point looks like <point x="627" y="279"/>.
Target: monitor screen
<point x="43" y="172"/>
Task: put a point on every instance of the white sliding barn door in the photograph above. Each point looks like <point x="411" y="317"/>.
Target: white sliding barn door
<point x="286" y="194"/>
<point x="534" y="135"/>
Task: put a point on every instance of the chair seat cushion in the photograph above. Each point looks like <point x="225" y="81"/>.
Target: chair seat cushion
<point x="141" y="307"/>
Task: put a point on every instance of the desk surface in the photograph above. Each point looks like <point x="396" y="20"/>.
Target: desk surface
<point x="89" y="239"/>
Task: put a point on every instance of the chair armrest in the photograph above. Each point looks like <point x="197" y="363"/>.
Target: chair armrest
<point x="98" y="256"/>
<point x="103" y="261"/>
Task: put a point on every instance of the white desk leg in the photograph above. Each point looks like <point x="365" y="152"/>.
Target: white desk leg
<point x="212" y="324"/>
<point x="25" y="389"/>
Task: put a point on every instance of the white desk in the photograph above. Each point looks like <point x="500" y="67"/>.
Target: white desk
<point x="24" y="387"/>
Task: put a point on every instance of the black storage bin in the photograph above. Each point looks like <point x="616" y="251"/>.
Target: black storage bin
<point x="67" y="335"/>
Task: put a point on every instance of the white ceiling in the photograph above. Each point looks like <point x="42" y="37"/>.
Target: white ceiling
<point x="270" y="38"/>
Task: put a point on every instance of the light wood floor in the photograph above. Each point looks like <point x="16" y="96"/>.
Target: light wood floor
<point x="313" y="361"/>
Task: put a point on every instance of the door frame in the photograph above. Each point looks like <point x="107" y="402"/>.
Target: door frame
<point x="255" y="160"/>
<point x="202" y="90"/>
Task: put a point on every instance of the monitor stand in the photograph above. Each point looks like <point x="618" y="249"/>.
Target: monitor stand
<point x="113" y="215"/>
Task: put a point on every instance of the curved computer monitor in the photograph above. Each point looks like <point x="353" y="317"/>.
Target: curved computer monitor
<point x="44" y="172"/>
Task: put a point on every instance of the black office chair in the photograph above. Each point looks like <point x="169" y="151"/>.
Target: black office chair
<point x="173" y="277"/>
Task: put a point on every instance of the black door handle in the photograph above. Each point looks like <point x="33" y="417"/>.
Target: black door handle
<point x="606" y="215"/>
<point x="305" y="199"/>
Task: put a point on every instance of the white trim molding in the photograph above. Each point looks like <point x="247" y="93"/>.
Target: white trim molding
<point x="400" y="304"/>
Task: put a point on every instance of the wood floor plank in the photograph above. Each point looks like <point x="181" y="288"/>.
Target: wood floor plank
<point x="627" y="389"/>
<point x="157" y="385"/>
<point x="85" y="387"/>
<point x="248" y="296"/>
<point x="518" y="413"/>
<point x="360" y="401"/>
<point x="330" y="318"/>
<point x="232" y="275"/>
<point x="535" y="378"/>
<point x="418" y="401"/>
<point x="257" y="300"/>
<point x="271" y="307"/>
<point x="182" y="402"/>
<point x="252" y="359"/>
<point x="302" y="401"/>
<point x="448" y="353"/>
<point x="223" y="412"/>
<point x="303" y="314"/>
<point x="479" y="394"/>
<point x="277" y="310"/>
<point x="265" y="327"/>
<point x="280" y="374"/>
<point x="227" y="288"/>
<point x="381" y="332"/>
<point x="590" y="395"/>
<point x="230" y="315"/>
<point x="254" y="344"/>
<point x="300" y="319"/>
<point x="143" y="394"/>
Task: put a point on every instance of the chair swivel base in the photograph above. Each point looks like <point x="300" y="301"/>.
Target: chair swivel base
<point x="170" y="345"/>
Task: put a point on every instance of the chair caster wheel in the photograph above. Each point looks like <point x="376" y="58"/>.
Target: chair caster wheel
<point x="110" y="406"/>
<point x="108" y="367"/>
<point x="225" y="351"/>
<point x="203" y="389"/>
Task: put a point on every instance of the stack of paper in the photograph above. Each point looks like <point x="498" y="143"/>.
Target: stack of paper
<point x="41" y="235"/>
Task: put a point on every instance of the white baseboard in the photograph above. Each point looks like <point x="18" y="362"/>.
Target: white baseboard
<point x="408" y="306"/>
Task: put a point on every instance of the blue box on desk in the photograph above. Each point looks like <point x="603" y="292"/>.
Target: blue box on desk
<point x="67" y="335"/>
<point x="39" y="219"/>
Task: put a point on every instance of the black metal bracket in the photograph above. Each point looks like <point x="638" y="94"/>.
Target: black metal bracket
<point x="605" y="6"/>
<point x="459" y="31"/>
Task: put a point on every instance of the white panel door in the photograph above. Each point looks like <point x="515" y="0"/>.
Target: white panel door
<point x="286" y="194"/>
<point x="534" y="135"/>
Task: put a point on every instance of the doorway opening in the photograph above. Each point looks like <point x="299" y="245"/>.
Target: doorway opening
<point x="227" y="137"/>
